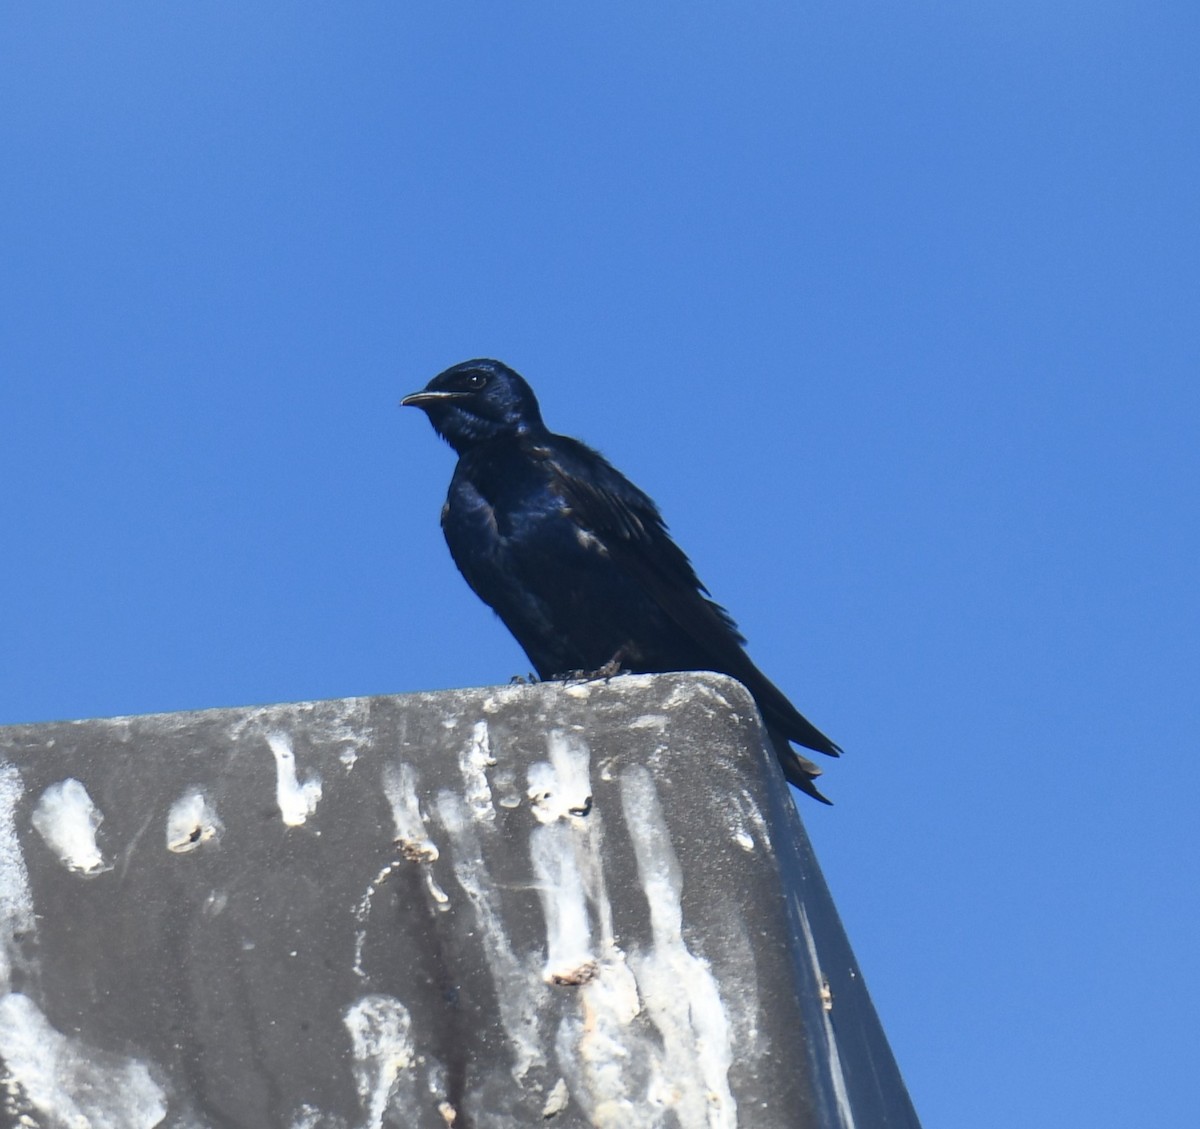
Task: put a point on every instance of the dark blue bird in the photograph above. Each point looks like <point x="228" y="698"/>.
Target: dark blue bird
<point x="576" y="560"/>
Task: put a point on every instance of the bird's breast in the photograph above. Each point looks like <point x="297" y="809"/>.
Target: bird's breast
<point x="502" y="510"/>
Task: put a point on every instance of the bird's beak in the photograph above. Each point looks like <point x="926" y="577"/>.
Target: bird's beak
<point x="424" y="398"/>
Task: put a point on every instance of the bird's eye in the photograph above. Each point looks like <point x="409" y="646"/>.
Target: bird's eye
<point x="476" y="380"/>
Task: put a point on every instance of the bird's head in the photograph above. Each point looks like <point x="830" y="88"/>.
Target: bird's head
<point x="476" y="401"/>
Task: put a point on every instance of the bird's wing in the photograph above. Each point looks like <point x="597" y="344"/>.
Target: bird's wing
<point x="605" y="504"/>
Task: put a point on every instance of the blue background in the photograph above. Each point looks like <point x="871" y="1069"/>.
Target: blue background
<point x="892" y="307"/>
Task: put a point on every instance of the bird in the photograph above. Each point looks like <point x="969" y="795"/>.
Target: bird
<point x="577" y="561"/>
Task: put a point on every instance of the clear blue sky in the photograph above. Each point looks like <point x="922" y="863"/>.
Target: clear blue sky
<point x="893" y="308"/>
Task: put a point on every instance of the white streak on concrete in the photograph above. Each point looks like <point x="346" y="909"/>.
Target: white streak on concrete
<point x="440" y="898"/>
<point x="567" y="859"/>
<point x="400" y="787"/>
<point x="381" y="1041"/>
<point x="612" y="1062"/>
<point x="505" y="782"/>
<point x="16" y="903"/>
<point x="840" y="1091"/>
<point x="412" y="838"/>
<point x="570" y="958"/>
<point x="562" y="787"/>
<point x="612" y="1065"/>
<point x="307" y="1117"/>
<point x="609" y="1061"/>
<point x="362" y="910"/>
<point x="126" y="855"/>
<point x="749" y="808"/>
<point x="67" y="820"/>
<point x="519" y="991"/>
<point x="541" y="791"/>
<point x="735" y="822"/>
<point x="71" y="1084"/>
<point x="473" y="762"/>
<point x="655" y="721"/>
<point x="297" y="800"/>
<point x="694" y="1025"/>
<point x="711" y="692"/>
<point x="680" y="695"/>
<point x="192" y="822"/>
<point x="577" y="690"/>
<point x="557" y="1100"/>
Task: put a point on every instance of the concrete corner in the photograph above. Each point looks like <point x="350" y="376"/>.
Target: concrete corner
<point x="567" y="905"/>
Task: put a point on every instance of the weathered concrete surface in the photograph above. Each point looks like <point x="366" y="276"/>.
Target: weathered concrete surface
<point x="581" y="905"/>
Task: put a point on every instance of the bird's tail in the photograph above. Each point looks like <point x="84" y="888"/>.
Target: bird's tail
<point x="798" y="770"/>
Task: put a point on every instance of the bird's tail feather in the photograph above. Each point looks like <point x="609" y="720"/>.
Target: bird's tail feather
<point x="798" y="770"/>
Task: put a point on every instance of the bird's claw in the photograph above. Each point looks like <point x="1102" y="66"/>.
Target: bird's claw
<point x="609" y="670"/>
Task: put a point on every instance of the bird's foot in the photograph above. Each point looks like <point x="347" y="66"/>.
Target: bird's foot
<point x="529" y="679"/>
<point x="609" y="670"/>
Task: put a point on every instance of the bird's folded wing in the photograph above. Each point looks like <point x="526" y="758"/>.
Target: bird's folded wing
<point x="627" y="523"/>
